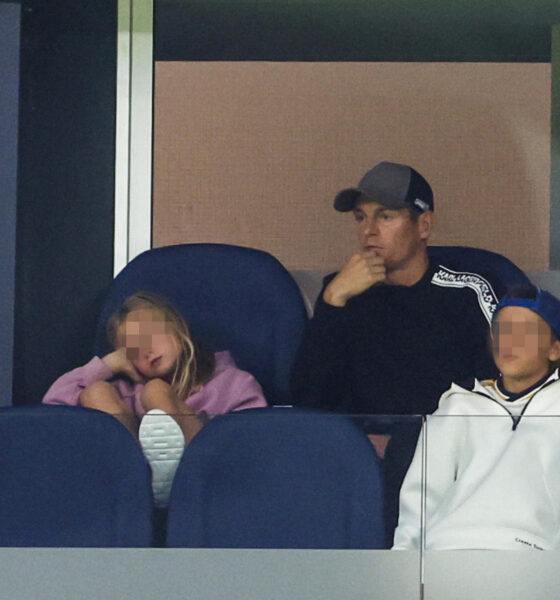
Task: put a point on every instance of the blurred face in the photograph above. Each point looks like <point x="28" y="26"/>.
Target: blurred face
<point x="391" y="234"/>
<point x="150" y="343"/>
<point x="523" y="346"/>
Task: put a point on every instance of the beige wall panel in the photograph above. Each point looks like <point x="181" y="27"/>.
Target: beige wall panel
<point x="252" y="153"/>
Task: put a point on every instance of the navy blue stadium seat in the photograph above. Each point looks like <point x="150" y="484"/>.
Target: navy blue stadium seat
<point x="277" y="478"/>
<point x="70" y="476"/>
<point x="233" y="298"/>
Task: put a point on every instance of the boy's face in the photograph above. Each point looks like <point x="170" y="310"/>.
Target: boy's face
<point x="522" y="345"/>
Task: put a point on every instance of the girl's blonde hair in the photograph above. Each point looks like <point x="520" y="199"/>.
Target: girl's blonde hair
<point x="195" y="364"/>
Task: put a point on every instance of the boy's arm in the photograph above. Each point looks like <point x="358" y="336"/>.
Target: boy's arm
<point x="407" y="533"/>
<point x="433" y="470"/>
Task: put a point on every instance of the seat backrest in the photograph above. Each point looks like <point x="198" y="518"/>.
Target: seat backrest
<point x="499" y="269"/>
<point x="70" y="476"/>
<point x="277" y="478"/>
<point x="233" y="298"/>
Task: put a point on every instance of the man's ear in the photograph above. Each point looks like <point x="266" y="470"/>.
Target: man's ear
<point x="554" y="352"/>
<point x="425" y="224"/>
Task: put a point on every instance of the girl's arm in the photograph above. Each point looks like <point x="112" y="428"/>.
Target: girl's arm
<point x="67" y="388"/>
<point x="228" y="389"/>
<point x="119" y="364"/>
<point x="246" y="392"/>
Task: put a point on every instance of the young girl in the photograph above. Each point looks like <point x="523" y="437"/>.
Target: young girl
<point x="159" y="382"/>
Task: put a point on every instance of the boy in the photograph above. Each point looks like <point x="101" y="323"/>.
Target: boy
<point x="492" y="474"/>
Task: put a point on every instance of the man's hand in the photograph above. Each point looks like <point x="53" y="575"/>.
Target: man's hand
<point x="121" y="365"/>
<point x="361" y="272"/>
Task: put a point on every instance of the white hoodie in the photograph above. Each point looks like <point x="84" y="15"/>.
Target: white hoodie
<point x="489" y="483"/>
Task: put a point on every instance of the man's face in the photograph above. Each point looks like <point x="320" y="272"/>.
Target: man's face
<point x="391" y="234"/>
<point x="522" y="344"/>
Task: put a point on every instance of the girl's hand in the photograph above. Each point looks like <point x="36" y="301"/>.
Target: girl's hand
<point x="121" y="365"/>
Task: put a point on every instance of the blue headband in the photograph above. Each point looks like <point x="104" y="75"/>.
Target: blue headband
<point x="545" y="305"/>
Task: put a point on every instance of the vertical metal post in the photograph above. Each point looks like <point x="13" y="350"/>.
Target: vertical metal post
<point x="10" y="23"/>
<point x="555" y="150"/>
<point x="134" y="128"/>
<point x="424" y="442"/>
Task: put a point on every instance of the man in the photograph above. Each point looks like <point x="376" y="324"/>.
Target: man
<point x="391" y="330"/>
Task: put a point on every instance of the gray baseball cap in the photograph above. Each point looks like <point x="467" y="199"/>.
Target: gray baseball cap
<point x="392" y="185"/>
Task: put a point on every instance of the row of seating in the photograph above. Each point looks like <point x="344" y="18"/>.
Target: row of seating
<point x="264" y="478"/>
<point x="244" y="300"/>
<point x="260" y="478"/>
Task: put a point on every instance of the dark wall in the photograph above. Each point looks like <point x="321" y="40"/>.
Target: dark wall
<point x="64" y="247"/>
<point x="9" y="76"/>
<point x="357" y="30"/>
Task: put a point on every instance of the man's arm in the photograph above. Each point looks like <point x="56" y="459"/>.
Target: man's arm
<point x="320" y="367"/>
<point x="320" y="373"/>
<point x="361" y="272"/>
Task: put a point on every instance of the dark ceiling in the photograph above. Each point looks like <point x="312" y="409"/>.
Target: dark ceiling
<point x="355" y="30"/>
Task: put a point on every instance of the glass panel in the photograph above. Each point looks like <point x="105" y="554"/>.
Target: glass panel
<point x="396" y="440"/>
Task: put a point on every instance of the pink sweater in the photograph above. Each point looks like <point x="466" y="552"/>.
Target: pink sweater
<point x="228" y="389"/>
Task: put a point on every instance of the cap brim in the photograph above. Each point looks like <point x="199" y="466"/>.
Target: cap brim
<point x="345" y="200"/>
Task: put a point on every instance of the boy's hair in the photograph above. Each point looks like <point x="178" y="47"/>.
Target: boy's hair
<point x="195" y="364"/>
<point x="541" y="302"/>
